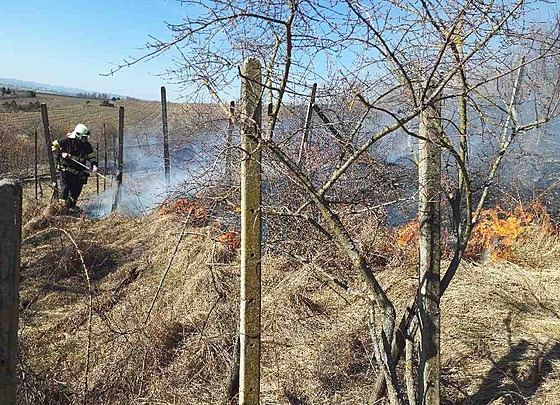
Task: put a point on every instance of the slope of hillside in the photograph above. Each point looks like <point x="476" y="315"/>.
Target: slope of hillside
<point x="65" y="112"/>
<point x="161" y="323"/>
<point x="31" y="85"/>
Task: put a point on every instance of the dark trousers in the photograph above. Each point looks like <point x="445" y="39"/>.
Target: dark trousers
<point x="71" y="185"/>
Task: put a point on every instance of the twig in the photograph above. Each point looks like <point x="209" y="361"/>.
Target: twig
<point x="208" y="317"/>
<point x="90" y="312"/>
<point x="37" y="234"/>
<point x="220" y="294"/>
<point x="331" y="278"/>
<point x="385" y="204"/>
<point x="167" y="270"/>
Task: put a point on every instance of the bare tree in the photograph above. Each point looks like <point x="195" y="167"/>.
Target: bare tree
<point x="379" y="67"/>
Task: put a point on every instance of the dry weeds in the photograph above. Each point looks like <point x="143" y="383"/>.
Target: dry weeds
<point x="501" y="322"/>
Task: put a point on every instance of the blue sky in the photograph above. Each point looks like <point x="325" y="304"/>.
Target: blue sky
<point x="69" y="43"/>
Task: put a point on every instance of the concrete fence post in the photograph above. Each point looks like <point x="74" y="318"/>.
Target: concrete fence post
<point x="10" y="244"/>
<point x="250" y="300"/>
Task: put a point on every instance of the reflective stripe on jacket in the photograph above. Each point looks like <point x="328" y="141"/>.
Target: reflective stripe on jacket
<point x="77" y="150"/>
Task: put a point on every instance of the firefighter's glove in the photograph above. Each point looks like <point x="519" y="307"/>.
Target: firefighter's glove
<point x="94" y="169"/>
<point x="64" y="155"/>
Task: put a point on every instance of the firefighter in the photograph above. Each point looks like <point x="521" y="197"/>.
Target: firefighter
<point x="72" y="149"/>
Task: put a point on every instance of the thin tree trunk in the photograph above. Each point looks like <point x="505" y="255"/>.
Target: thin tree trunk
<point x="409" y="363"/>
<point x="429" y="168"/>
<point x="347" y="246"/>
<point x="471" y="217"/>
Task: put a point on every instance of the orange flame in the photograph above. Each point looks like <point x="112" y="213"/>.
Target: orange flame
<point x="408" y="238"/>
<point x="184" y="206"/>
<point x="408" y="235"/>
<point x="231" y="240"/>
<point x="498" y="229"/>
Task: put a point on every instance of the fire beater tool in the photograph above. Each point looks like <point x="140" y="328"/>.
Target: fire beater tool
<point x="88" y="169"/>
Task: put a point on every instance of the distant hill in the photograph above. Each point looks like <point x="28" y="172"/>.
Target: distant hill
<point x="49" y="88"/>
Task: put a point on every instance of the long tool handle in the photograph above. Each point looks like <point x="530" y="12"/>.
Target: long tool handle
<point x="88" y="169"/>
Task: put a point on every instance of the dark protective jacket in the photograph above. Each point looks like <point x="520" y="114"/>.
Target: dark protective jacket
<point x="78" y="150"/>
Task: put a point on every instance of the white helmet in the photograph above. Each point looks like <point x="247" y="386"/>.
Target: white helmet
<point x="80" y="131"/>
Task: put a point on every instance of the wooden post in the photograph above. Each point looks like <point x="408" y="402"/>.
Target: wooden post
<point x="97" y="177"/>
<point x="114" y="152"/>
<point x="307" y="126"/>
<point x="10" y="244"/>
<point x="36" y="165"/>
<point x="429" y="183"/>
<point x="117" y="195"/>
<point x="250" y="308"/>
<point x="330" y="127"/>
<point x="229" y="135"/>
<point x="105" y="156"/>
<point x="45" y="115"/>
<point x="165" y="134"/>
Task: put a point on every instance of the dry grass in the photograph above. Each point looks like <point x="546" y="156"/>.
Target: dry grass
<point x="536" y="249"/>
<point x="498" y="320"/>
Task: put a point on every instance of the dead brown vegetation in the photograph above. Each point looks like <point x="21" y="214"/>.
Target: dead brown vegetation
<point x="500" y="326"/>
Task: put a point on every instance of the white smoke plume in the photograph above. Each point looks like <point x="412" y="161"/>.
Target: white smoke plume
<point x="193" y="166"/>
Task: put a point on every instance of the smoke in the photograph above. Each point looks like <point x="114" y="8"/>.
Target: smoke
<point x="194" y="165"/>
<point x="198" y="163"/>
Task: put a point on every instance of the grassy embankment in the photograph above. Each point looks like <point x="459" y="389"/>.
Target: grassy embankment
<point x="500" y="320"/>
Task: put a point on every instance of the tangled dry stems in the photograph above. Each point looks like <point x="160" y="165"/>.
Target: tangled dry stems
<point x="498" y="320"/>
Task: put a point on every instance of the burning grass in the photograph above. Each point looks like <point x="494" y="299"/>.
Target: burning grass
<point x="231" y="239"/>
<point x="505" y="234"/>
<point x="196" y="210"/>
<point x="163" y="331"/>
<point x="524" y="235"/>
